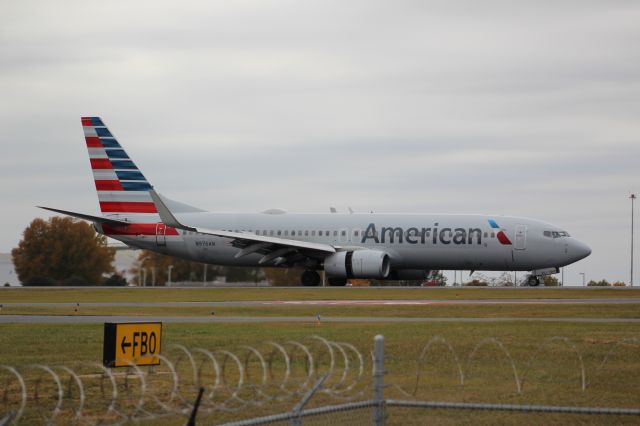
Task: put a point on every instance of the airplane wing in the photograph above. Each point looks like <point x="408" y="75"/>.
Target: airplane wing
<point x="280" y="250"/>
<point x="98" y="219"/>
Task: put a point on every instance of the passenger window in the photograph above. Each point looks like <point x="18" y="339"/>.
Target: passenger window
<point x="486" y="235"/>
<point x="293" y="233"/>
<point x="356" y="233"/>
<point x="493" y="235"/>
<point x="306" y="233"/>
<point x="343" y="233"/>
<point x="279" y="232"/>
<point x="335" y="233"/>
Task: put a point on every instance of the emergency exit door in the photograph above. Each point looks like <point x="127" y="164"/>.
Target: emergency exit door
<point x="161" y="234"/>
<point x="521" y="237"/>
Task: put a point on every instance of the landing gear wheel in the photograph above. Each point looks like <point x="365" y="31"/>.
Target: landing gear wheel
<point x="533" y="281"/>
<point x="337" y="282"/>
<point x="310" y="279"/>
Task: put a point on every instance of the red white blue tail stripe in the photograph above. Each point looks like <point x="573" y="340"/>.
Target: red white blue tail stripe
<point x="121" y="187"/>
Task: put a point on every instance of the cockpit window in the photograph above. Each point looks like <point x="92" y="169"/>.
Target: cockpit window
<point x="556" y="234"/>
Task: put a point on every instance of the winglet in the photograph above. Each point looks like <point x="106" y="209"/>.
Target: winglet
<point x="165" y="214"/>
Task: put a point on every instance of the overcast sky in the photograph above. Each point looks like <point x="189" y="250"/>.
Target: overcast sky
<point x="503" y="107"/>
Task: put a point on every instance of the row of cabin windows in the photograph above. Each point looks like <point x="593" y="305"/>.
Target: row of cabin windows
<point x="356" y="233"/>
<point x="306" y="233"/>
<point x="272" y="233"/>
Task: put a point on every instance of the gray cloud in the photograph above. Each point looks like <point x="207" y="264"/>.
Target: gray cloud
<point x="504" y="107"/>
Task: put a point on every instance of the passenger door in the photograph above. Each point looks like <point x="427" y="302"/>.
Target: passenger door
<point x="521" y="237"/>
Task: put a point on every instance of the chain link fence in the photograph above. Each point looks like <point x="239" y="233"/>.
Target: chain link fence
<point x="319" y="381"/>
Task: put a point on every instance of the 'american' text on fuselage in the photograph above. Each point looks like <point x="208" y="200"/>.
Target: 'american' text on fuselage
<point x="416" y="235"/>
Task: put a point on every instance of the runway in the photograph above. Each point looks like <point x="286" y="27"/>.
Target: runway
<point x="380" y="302"/>
<point x="99" y="319"/>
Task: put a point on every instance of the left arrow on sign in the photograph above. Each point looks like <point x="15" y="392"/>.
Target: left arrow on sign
<point x="124" y="344"/>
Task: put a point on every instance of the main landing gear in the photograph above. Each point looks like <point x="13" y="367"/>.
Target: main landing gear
<point x="337" y="282"/>
<point x="310" y="278"/>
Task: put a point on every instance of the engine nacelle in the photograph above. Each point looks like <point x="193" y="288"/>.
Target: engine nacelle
<point x="358" y="264"/>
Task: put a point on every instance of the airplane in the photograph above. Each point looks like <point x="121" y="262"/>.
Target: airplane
<point x="344" y="246"/>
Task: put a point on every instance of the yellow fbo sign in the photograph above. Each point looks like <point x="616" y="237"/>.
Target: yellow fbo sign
<point x="131" y="343"/>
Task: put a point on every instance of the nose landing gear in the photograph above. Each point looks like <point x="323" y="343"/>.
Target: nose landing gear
<point x="533" y="281"/>
<point x="536" y="277"/>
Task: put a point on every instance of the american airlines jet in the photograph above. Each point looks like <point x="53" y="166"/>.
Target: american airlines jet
<point x="376" y="246"/>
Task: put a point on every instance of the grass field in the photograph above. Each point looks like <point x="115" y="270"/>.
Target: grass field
<point x="549" y="369"/>
<point x="553" y="377"/>
<point x="410" y="311"/>
<point x="163" y="294"/>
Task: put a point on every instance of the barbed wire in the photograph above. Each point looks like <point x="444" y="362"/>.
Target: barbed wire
<point x="463" y="366"/>
<point x="235" y="381"/>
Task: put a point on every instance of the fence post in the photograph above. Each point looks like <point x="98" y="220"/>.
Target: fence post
<point x="300" y="405"/>
<point x="378" y="380"/>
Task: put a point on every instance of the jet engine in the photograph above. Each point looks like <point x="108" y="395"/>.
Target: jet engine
<point x="358" y="264"/>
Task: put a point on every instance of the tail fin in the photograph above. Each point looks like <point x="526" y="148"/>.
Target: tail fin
<point x="122" y="188"/>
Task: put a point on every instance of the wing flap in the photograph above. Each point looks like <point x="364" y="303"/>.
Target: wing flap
<point x="247" y="238"/>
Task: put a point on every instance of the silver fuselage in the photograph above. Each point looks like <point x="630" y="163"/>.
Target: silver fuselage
<point x="412" y="241"/>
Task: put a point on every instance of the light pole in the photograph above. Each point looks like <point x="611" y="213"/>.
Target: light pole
<point x="583" y="279"/>
<point x="204" y="274"/>
<point x="143" y="276"/>
<point x="169" y="275"/>
<point x="633" y="198"/>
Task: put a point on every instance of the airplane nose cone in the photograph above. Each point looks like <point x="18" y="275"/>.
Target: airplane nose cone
<point x="579" y="250"/>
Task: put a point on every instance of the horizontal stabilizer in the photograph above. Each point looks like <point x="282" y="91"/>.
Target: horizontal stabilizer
<point x="91" y="218"/>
